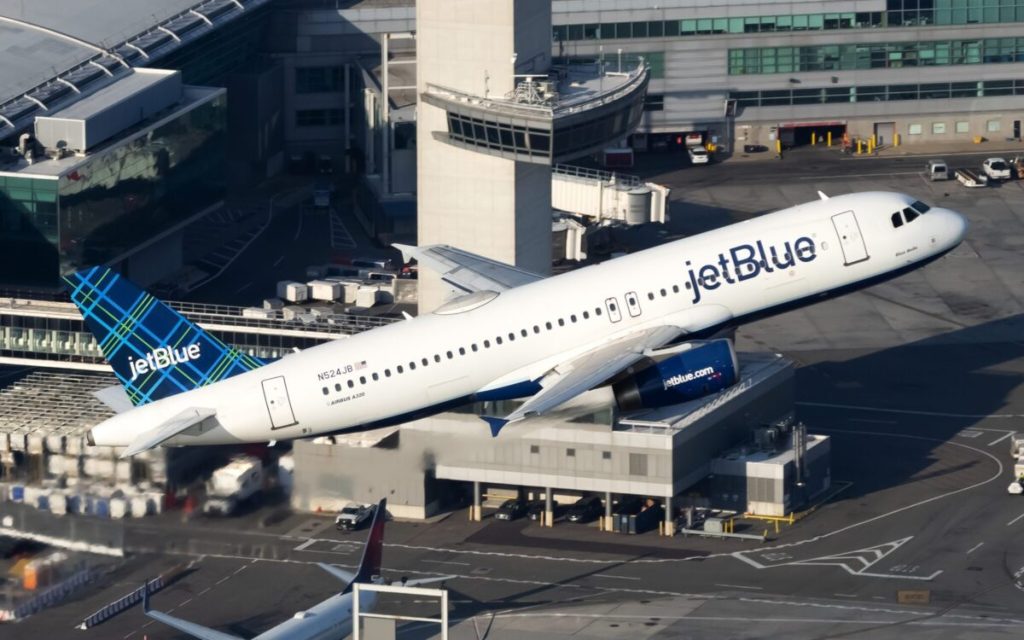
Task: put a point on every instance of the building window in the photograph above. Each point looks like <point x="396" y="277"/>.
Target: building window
<point x="570" y="453"/>
<point x="638" y="464"/>
<point x="654" y="103"/>
<point x="938" y="127"/>
<point x="962" y="126"/>
<point x="534" y="448"/>
<point x="318" y="117"/>
<point x="606" y="455"/>
<point x="993" y="126"/>
<point x="319" y="79"/>
<point x="914" y="129"/>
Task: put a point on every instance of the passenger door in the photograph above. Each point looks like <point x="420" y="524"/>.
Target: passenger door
<point x="850" y="238"/>
<point x="633" y="304"/>
<point x="614" y="313"/>
<point x="279" y="405"/>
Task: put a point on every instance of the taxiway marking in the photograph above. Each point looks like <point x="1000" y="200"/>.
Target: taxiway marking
<point x="1015" y="520"/>
<point x="998" y="440"/>
<point x="609" y="575"/>
<point x="738" y="586"/>
<point x="914" y="412"/>
<point x="974" y="548"/>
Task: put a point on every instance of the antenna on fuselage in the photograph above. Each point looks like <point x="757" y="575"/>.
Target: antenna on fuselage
<point x="821" y="194"/>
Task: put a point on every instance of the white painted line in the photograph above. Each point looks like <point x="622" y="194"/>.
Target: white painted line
<point x="934" y="414"/>
<point x="305" y="545"/>
<point x="224" y="579"/>
<point x="862" y="175"/>
<point x="608" y="575"/>
<point x="279" y="261"/>
<point x="738" y="586"/>
<point x="845" y="595"/>
<point x="464" y="564"/>
<point x="1015" y="519"/>
<point x="243" y="287"/>
<point x="975" y="547"/>
<point x="969" y="434"/>
<point x="184" y="603"/>
<point x="998" y="440"/>
<point x="872" y="421"/>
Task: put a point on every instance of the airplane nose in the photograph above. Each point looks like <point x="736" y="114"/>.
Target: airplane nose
<point x="957" y="226"/>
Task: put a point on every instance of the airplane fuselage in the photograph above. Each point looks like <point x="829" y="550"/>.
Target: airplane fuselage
<point x="497" y="345"/>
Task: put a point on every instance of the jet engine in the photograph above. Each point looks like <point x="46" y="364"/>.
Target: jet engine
<point x="676" y="375"/>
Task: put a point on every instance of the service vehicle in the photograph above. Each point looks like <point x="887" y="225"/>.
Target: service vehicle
<point x="971" y="178"/>
<point x="698" y="155"/>
<point x="353" y="516"/>
<point x="233" y="485"/>
<point x="996" y="169"/>
<point x="936" y="170"/>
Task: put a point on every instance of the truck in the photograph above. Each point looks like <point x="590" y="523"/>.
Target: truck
<point x="233" y="485"/>
<point x="1016" y="487"/>
<point x="971" y="178"/>
<point x="996" y="169"/>
<point x="354" y="516"/>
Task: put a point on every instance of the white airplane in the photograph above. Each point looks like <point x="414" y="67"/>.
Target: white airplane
<point x="329" y="620"/>
<point x="633" y="321"/>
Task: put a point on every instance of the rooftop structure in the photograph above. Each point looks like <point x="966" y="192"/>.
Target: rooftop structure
<point x="54" y="53"/>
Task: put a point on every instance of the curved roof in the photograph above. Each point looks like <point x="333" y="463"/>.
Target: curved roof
<point x="54" y="51"/>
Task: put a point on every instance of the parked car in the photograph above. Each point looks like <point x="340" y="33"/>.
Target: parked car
<point x="586" y="509"/>
<point x="354" y="516"/>
<point x="535" y="509"/>
<point x="698" y="155"/>
<point x="511" y="510"/>
<point x="937" y="170"/>
<point x="996" y="169"/>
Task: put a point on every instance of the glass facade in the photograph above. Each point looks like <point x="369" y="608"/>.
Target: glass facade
<point x="319" y="79"/>
<point x="878" y="93"/>
<point x="899" y="13"/>
<point x="891" y="55"/>
<point x="113" y="200"/>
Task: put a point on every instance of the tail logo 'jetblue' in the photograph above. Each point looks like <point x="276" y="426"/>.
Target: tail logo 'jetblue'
<point x="154" y="350"/>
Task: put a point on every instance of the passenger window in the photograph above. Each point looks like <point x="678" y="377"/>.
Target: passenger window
<point x="400" y="369"/>
<point x="561" y="322"/>
<point x="351" y="384"/>
<point x="337" y="386"/>
<point x="572" y="318"/>
<point x="498" y="340"/>
<point x="437" y="357"/>
<point x="326" y="391"/>
<point x="675" y="287"/>
<point x="524" y="333"/>
<point x="548" y="325"/>
<point x="362" y="379"/>
<point x="611" y="307"/>
<point x="910" y="214"/>
<point x="664" y="293"/>
<point x="597" y="311"/>
<point x="536" y="329"/>
<point x="487" y="344"/>
<point x="586" y="315"/>
<point x="375" y="376"/>
<point x="450" y="355"/>
<point x="688" y="285"/>
<point x="650" y="295"/>
<point x="425" y="362"/>
<point x="462" y="351"/>
<point x="473" y="347"/>
<point x="387" y="373"/>
<point x="897" y="221"/>
<point x="412" y="366"/>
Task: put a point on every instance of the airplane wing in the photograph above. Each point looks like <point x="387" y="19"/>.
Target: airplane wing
<point x="569" y="379"/>
<point x="167" y="430"/>
<point x="468" y="271"/>
<point x="191" y="628"/>
<point x="419" y="582"/>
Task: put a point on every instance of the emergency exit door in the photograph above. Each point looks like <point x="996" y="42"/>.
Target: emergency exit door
<point x="850" y="238"/>
<point x="279" y="406"/>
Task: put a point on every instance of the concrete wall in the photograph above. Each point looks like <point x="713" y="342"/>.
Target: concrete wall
<point x="479" y="203"/>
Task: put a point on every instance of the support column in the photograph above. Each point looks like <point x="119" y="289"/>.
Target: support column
<point x="670" y="522"/>
<point x="607" y="520"/>
<point x="475" y="511"/>
<point x="549" y="511"/>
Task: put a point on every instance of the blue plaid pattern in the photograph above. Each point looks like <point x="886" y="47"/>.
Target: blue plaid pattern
<point x="154" y="350"/>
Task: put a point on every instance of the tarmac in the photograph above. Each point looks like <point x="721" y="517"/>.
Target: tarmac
<point x="916" y="380"/>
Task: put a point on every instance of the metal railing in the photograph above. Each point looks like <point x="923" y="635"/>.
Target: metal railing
<point x="597" y="174"/>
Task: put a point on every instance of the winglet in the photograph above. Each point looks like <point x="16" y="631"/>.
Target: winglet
<point x="496" y="424"/>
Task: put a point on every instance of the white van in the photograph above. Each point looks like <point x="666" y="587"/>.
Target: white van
<point x="937" y="170"/>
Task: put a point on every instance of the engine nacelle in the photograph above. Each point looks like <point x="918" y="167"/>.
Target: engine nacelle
<point x="679" y="377"/>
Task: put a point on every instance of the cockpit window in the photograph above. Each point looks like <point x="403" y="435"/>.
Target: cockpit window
<point x="897" y="221"/>
<point x="920" y="207"/>
<point x="910" y="214"/>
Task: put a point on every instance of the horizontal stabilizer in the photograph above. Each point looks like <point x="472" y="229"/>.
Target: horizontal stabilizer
<point x="160" y="434"/>
<point x="115" y="397"/>
<point x="419" y="582"/>
<point x="190" y="628"/>
<point x="345" y="576"/>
